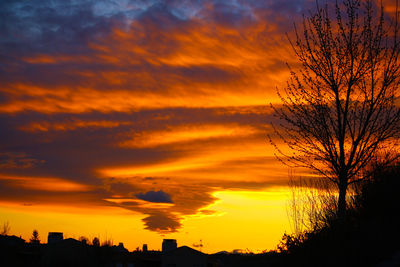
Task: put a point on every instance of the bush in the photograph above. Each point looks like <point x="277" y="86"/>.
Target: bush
<point x="368" y="236"/>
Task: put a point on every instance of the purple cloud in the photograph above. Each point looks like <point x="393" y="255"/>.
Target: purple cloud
<point x="162" y="222"/>
<point x="155" y="196"/>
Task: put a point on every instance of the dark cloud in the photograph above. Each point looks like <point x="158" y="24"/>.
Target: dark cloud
<point x="120" y="187"/>
<point x="162" y="222"/>
<point x="17" y="161"/>
<point x="59" y="26"/>
<point x="155" y="196"/>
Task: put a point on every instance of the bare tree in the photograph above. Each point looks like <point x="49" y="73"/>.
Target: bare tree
<point x="339" y="109"/>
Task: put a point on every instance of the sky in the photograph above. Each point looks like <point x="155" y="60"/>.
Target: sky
<point x="142" y="120"/>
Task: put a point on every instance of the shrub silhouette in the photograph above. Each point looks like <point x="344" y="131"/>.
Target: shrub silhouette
<point x="368" y="236"/>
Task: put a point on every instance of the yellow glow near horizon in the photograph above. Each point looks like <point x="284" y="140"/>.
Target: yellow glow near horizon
<point x="116" y="224"/>
<point x="253" y="220"/>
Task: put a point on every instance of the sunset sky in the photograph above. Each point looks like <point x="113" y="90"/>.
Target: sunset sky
<point x="143" y="120"/>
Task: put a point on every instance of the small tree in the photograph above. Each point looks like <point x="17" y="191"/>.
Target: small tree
<point x="35" y="237"/>
<point x="84" y="239"/>
<point x="96" y="242"/>
<point x="339" y="109"/>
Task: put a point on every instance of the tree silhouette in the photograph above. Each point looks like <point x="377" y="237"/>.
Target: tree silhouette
<point x="84" y="239"/>
<point x="339" y="109"/>
<point x="35" y="237"/>
<point x="96" y="242"/>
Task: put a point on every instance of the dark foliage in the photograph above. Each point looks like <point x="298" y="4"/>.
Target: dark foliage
<point x="35" y="237"/>
<point x="369" y="236"/>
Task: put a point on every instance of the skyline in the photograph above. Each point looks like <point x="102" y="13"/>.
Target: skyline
<point x="145" y="120"/>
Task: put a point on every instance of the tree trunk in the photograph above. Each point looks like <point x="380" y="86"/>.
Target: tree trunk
<point x="342" y="199"/>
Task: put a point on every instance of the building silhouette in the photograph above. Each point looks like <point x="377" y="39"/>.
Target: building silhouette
<point x="168" y="245"/>
<point x="54" y="237"/>
<point x="184" y="257"/>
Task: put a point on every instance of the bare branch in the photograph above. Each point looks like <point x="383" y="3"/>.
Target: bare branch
<point x="338" y="110"/>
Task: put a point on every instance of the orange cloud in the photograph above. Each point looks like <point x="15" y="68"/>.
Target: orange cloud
<point x="222" y="160"/>
<point x="187" y="133"/>
<point x="192" y="66"/>
<point x="83" y="100"/>
<point x="55" y="59"/>
<point x="44" y="184"/>
<point x="45" y="126"/>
